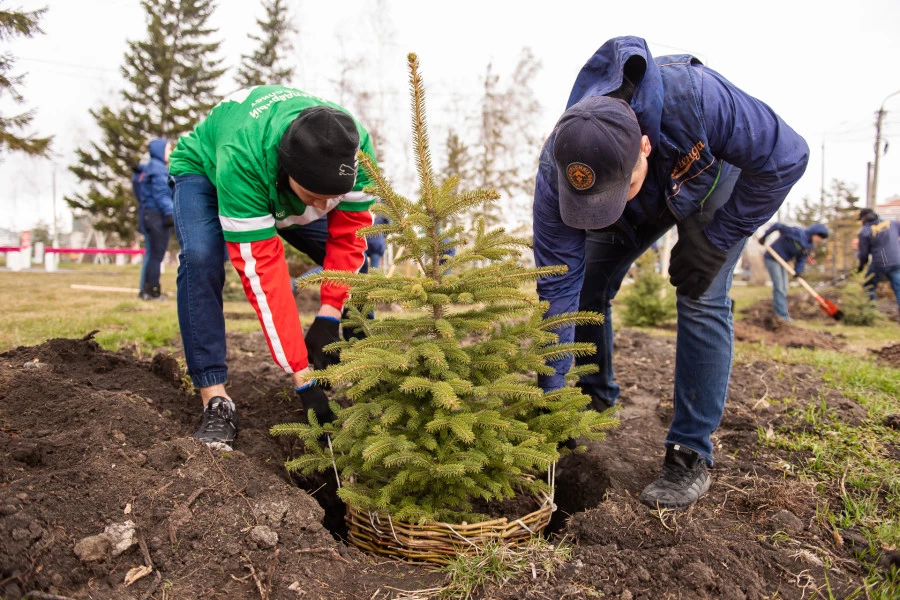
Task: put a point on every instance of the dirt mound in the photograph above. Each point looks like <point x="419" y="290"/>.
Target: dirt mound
<point x="889" y="355"/>
<point x="761" y="324"/>
<point x="86" y="442"/>
<point x="91" y="439"/>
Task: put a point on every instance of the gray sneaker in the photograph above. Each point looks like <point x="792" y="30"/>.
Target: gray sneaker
<point x="684" y="479"/>
<point x="219" y="425"/>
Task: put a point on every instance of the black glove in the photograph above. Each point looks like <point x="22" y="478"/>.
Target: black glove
<point x="695" y="261"/>
<point x="169" y="220"/>
<point x="313" y="397"/>
<point x="322" y="332"/>
<point x="862" y="265"/>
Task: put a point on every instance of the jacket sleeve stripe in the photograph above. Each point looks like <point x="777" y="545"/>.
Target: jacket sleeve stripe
<point x="238" y="225"/>
<point x="262" y="304"/>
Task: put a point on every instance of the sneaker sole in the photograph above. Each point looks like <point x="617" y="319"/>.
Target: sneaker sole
<point x="221" y="446"/>
<point x="656" y="504"/>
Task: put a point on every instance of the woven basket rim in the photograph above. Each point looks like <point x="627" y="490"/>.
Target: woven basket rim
<point x="439" y="541"/>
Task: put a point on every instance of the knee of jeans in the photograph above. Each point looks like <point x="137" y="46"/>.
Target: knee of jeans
<point x="202" y="256"/>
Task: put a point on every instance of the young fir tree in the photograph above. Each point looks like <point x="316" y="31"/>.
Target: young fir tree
<point x="650" y="300"/>
<point x="445" y="409"/>
<point x="15" y="23"/>
<point x="856" y="305"/>
<point x="172" y="77"/>
<point x="265" y="65"/>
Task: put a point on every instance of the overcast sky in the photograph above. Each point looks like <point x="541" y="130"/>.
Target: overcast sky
<point x="825" y="66"/>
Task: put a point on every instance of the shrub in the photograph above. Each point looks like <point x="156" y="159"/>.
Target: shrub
<point x="650" y="300"/>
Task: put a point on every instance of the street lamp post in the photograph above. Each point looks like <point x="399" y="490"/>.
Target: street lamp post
<point x="870" y="201"/>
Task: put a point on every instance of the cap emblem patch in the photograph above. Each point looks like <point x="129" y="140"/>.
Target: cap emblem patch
<point x="580" y="176"/>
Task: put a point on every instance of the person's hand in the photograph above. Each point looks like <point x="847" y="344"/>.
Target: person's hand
<point x="695" y="261"/>
<point x="313" y="397"/>
<point x="323" y="331"/>
<point x="169" y="220"/>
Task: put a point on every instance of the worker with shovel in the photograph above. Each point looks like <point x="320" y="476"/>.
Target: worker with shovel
<point x="879" y="239"/>
<point x="646" y="145"/>
<point x="793" y="244"/>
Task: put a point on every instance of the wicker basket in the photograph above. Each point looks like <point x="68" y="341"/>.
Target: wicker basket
<point x="440" y="542"/>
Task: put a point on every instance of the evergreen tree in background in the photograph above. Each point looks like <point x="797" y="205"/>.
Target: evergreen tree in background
<point x="459" y="167"/>
<point x="446" y="409"/>
<point x="650" y="300"/>
<point x="492" y="144"/>
<point x="507" y="138"/>
<point x="14" y="23"/>
<point x="265" y="65"/>
<point x="172" y="77"/>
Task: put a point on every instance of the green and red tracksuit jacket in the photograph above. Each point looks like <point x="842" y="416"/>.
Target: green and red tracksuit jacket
<point x="236" y="147"/>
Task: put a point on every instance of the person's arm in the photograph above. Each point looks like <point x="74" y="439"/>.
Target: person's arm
<point x="864" y="249"/>
<point x="800" y="263"/>
<point x="555" y="243"/>
<point x="344" y="249"/>
<point x="155" y="187"/>
<point x="746" y="133"/>
<point x="775" y="227"/>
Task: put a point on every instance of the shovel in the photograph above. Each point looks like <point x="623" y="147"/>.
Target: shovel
<point x="829" y="307"/>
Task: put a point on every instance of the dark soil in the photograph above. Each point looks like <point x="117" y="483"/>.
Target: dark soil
<point x="759" y="323"/>
<point x="90" y="438"/>
<point x="889" y="355"/>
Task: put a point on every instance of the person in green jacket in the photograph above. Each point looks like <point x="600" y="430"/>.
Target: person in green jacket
<point x="269" y="163"/>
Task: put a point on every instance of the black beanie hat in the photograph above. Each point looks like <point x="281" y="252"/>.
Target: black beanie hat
<point x="867" y="214"/>
<point x="318" y="150"/>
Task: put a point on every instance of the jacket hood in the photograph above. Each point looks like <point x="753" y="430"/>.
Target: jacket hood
<point x="624" y="60"/>
<point x="817" y="229"/>
<point x="158" y="148"/>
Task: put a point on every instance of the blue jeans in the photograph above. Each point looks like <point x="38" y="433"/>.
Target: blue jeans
<point x="875" y="274"/>
<point x="144" y="262"/>
<point x="704" y="346"/>
<point x="157" y="241"/>
<point x="201" y="274"/>
<point x="779" y="277"/>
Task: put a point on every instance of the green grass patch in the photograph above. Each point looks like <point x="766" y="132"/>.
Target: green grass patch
<point x="855" y="459"/>
<point x="38" y="306"/>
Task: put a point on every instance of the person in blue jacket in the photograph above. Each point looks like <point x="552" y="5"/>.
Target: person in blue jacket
<point x="137" y="176"/>
<point x="879" y="239"/>
<point x="646" y="145"/>
<point x="793" y="244"/>
<point x="376" y="245"/>
<point x="157" y="211"/>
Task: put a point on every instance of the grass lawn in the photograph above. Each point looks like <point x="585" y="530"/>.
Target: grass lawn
<point x="38" y="306"/>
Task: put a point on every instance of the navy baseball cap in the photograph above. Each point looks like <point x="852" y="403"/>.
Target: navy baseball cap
<point x="598" y="141"/>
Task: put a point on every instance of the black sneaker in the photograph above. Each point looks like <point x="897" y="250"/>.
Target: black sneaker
<point x="219" y="425"/>
<point x="684" y="479"/>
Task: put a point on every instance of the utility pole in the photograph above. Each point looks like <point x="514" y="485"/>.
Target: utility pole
<point x="822" y="184"/>
<point x="879" y="118"/>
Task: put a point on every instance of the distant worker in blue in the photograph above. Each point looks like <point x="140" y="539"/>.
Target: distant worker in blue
<point x="376" y="245"/>
<point x="879" y="239"/>
<point x="137" y="176"/>
<point x="646" y="145"/>
<point x="794" y="244"/>
<point x="157" y="211"/>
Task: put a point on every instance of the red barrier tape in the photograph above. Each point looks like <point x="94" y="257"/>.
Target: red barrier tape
<point x="94" y="250"/>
